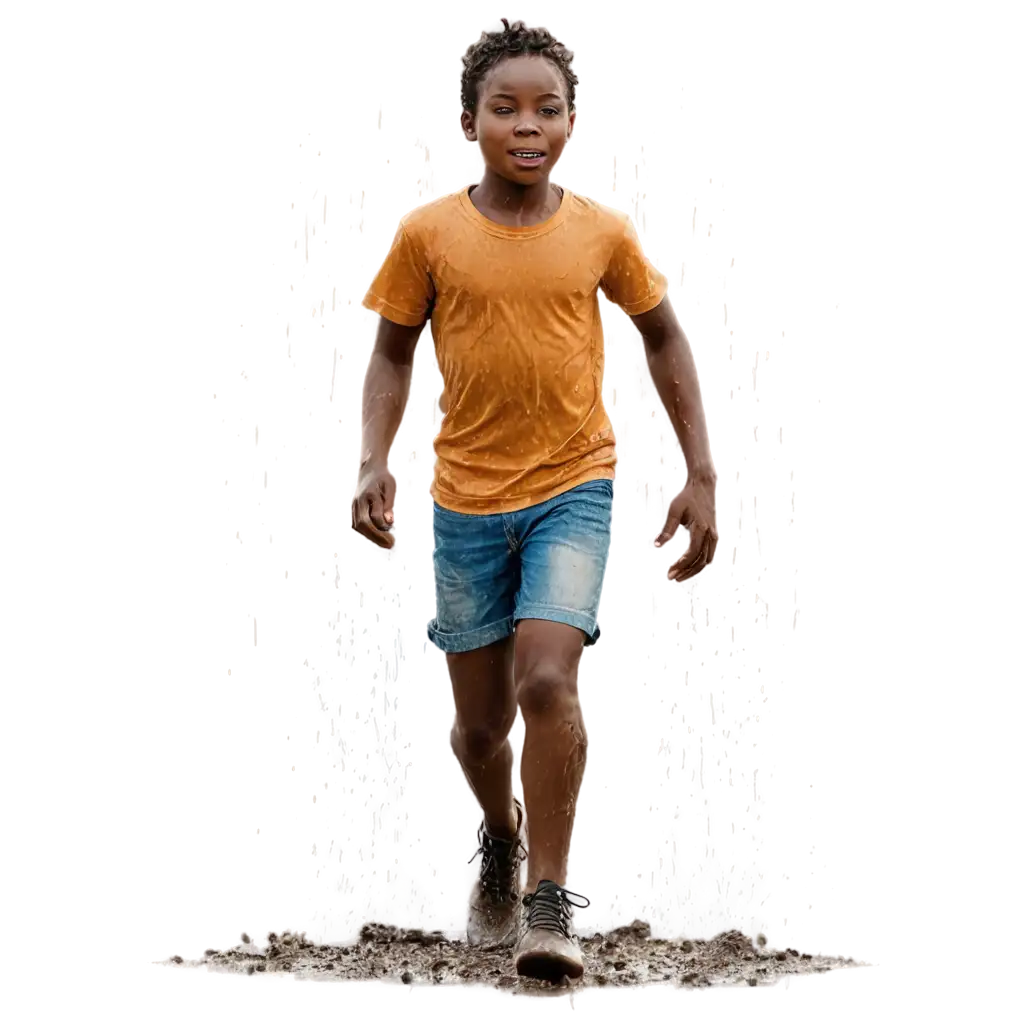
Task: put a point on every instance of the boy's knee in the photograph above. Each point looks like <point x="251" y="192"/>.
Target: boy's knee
<point x="547" y="688"/>
<point x="478" y="743"/>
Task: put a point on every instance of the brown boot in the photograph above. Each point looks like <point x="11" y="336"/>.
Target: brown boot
<point x="494" y="906"/>
<point x="548" y="948"/>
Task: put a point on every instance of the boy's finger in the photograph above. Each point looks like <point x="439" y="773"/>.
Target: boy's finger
<point x="671" y="525"/>
<point x="712" y="545"/>
<point x="696" y="552"/>
<point x="376" y="512"/>
<point x="363" y="522"/>
<point x="382" y="538"/>
<point x="701" y="562"/>
<point x="384" y="502"/>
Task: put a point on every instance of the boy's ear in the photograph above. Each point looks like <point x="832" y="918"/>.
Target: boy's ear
<point x="467" y="126"/>
<point x="572" y="122"/>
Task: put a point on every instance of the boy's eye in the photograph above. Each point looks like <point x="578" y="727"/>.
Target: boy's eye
<point x="551" y="112"/>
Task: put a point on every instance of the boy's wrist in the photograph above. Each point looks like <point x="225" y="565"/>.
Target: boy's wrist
<point x="699" y="471"/>
<point x="703" y="473"/>
<point x="373" y="461"/>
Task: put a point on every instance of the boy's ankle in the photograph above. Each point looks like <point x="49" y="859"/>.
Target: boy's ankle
<point x="508" y="829"/>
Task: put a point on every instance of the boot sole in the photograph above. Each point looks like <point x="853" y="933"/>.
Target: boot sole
<point x="547" y="967"/>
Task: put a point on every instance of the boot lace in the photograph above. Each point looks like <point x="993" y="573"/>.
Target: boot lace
<point x="501" y="860"/>
<point x="550" y="907"/>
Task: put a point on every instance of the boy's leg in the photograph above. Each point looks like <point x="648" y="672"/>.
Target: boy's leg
<point x="485" y="711"/>
<point x="547" y="656"/>
<point x="476" y="572"/>
<point x="563" y="546"/>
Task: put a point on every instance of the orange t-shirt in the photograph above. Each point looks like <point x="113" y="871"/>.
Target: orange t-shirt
<point x="517" y="331"/>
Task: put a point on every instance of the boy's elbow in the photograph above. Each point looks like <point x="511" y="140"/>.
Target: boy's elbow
<point x="659" y="348"/>
<point x="657" y="325"/>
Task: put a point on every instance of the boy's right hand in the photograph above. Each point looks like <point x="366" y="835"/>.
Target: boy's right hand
<point x="373" y="506"/>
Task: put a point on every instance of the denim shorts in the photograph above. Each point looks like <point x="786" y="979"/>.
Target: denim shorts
<point x="542" y="562"/>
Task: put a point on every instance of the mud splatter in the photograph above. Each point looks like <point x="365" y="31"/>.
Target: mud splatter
<point x="626" y="956"/>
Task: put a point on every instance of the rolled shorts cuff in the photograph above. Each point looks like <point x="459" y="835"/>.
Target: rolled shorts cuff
<point x="459" y="643"/>
<point x="568" y="616"/>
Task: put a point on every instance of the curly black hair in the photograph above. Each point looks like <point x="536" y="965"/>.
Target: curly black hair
<point x="515" y="40"/>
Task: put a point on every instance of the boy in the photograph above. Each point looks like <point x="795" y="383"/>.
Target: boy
<point x="508" y="273"/>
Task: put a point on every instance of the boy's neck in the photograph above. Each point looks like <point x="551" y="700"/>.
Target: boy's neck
<point x="506" y="199"/>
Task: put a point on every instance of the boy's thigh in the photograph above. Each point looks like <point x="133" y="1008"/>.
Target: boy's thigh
<point x="564" y="546"/>
<point x="476" y="576"/>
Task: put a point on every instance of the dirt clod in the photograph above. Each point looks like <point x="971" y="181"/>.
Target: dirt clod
<point x="695" y="979"/>
<point x="626" y="956"/>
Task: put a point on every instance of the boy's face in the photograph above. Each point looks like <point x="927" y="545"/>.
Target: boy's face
<point x="522" y="106"/>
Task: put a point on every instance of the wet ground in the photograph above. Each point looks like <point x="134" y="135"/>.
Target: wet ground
<point x="627" y="956"/>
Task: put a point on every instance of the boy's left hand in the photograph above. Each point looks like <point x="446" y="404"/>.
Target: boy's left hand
<point x="694" y="508"/>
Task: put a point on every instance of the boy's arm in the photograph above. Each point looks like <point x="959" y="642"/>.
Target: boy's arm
<point x="385" y="393"/>
<point x="674" y="373"/>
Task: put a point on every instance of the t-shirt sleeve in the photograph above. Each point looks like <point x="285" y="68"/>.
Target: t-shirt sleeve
<point x="403" y="290"/>
<point x="631" y="280"/>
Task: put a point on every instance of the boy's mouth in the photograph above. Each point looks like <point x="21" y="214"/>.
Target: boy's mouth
<point x="527" y="157"/>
